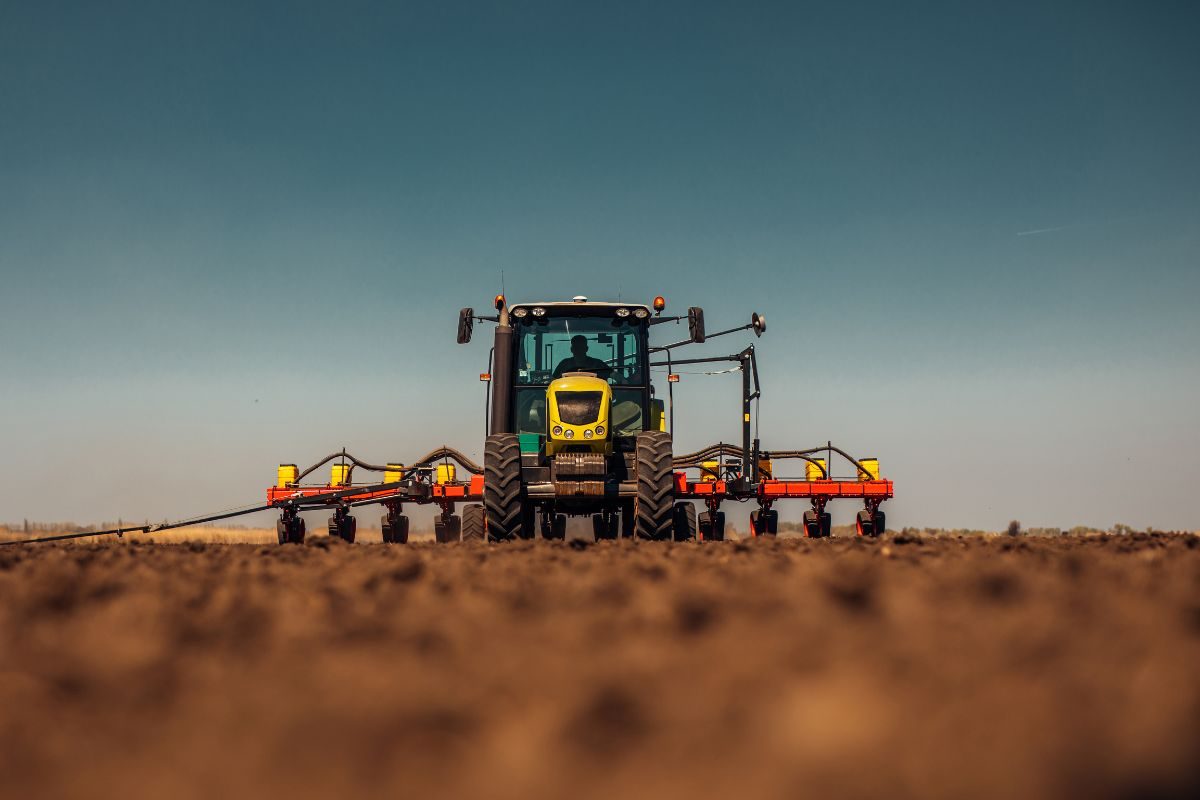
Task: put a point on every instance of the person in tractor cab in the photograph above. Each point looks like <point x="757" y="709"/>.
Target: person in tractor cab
<point x="580" y="361"/>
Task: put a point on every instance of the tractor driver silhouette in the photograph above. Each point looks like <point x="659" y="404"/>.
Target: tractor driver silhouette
<point x="580" y="361"/>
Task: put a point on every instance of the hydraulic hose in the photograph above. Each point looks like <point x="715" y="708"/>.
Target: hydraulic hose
<point x="436" y="455"/>
<point x="695" y="459"/>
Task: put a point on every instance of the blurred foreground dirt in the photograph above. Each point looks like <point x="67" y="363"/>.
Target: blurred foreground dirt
<point x="905" y="667"/>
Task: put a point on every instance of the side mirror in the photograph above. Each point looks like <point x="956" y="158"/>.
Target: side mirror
<point x="466" y="322"/>
<point x="696" y="324"/>
<point x="759" y="323"/>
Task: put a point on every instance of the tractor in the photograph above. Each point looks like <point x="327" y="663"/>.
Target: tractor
<point x="575" y="427"/>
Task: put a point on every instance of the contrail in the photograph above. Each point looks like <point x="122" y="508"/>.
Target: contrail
<point x="1049" y="230"/>
<point x="1095" y="223"/>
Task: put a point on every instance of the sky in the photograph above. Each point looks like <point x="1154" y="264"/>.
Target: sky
<point x="238" y="234"/>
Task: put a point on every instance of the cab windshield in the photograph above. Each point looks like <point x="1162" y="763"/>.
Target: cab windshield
<point x="608" y="347"/>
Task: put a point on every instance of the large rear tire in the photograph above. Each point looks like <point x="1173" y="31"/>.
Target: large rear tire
<point x="472" y="523"/>
<point x="655" y="503"/>
<point x="503" y="498"/>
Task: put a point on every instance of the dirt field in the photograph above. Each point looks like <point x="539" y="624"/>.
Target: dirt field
<point x="907" y="667"/>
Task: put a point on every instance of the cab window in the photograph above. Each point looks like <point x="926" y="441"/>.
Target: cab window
<point x="548" y="348"/>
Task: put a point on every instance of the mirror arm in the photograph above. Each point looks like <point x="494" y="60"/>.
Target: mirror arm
<point x="706" y="338"/>
<point x="708" y="360"/>
<point x="731" y="330"/>
<point x="667" y="347"/>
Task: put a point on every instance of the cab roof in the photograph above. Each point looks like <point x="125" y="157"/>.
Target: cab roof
<point x="584" y="307"/>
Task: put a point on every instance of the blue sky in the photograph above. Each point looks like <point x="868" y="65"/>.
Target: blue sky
<point x="238" y="234"/>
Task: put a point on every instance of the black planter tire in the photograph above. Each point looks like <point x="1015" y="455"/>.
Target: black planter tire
<point x="473" y="523"/>
<point x="448" y="530"/>
<point x="764" y="522"/>
<point x="685" y="522"/>
<point x="344" y="528"/>
<point x="712" y="527"/>
<point x="293" y="531"/>
<point x="817" y="526"/>
<point x="395" y="529"/>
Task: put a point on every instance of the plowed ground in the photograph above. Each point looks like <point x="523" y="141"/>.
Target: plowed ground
<point x="904" y="667"/>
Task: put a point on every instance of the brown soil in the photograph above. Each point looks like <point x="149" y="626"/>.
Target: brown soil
<point x="907" y="667"/>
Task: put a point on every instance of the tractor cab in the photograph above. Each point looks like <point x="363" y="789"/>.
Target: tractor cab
<point x="574" y="364"/>
<point x="574" y="427"/>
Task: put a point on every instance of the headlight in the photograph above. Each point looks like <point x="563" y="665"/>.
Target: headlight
<point x="570" y="434"/>
<point x="622" y="312"/>
<point x="557" y="431"/>
<point x="519" y="313"/>
<point x="539" y="312"/>
<point x="641" y="313"/>
<point x="599" y="430"/>
<point x="587" y="433"/>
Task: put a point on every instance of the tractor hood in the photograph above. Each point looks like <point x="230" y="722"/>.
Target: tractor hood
<point x="579" y="404"/>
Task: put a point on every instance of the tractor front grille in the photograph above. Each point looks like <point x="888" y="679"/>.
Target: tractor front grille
<point x="579" y="466"/>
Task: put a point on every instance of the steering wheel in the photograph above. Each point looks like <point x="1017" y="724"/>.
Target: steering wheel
<point x="619" y="375"/>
